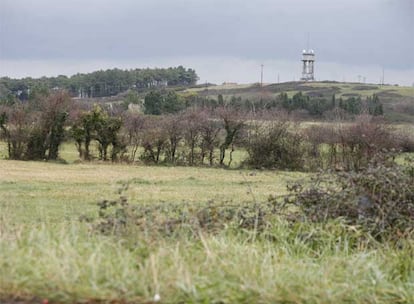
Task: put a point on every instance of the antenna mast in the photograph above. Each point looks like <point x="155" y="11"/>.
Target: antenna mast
<point x="308" y="60"/>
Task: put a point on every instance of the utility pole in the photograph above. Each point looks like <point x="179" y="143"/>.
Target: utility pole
<point x="278" y="78"/>
<point x="261" y="75"/>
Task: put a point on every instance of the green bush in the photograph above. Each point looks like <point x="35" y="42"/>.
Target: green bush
<point x="274" y="145"/>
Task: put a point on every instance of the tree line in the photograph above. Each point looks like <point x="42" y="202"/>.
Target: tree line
<point x="159" y="102"/>
<point x="99" y="83"/>
<point x="196" y="135"/>
<point x="304" y="105"/>
<point x="34" y="130"/>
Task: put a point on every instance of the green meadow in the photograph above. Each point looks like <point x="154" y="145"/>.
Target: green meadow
<point x="47" y="252"/>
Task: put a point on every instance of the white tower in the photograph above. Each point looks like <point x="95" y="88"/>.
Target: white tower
<point x="308" y="59"/>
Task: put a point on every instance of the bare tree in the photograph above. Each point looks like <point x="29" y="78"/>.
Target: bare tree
<point x="35" y="129"/>
<point x="194" y="120"/>
<point x="16" y="125"/>
<point x="154" y="139"/>
<point x="209" y="131"/>
<point x="55" y="111"/>
<point x="173" y="128"/>
<point x="134" y="125"/>
<point x="232" y="121"/>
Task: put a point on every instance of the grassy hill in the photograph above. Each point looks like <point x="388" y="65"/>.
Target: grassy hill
<point x="325" y="89"/>
<point x="398" y="101"/>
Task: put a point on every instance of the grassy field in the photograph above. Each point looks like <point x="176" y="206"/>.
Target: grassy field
<point x="46" y="252"/>
<point x="56" y="191"/>
<point x="364" y="89"/>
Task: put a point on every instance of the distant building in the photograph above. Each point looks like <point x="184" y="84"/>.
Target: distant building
<point x="308" y="59"/>
<point x="229" y="83"/>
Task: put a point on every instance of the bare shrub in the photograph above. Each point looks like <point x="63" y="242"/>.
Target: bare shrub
<point x="406" y="107"/>
<point x="405" y="141"/>
<point x="337" y="114"/>
<point x="362" y="140"/>
<point x="350" y="146"/>
<point x="323" y="145"/>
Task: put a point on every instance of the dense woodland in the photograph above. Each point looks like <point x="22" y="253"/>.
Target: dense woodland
<point x="98" y="84"/>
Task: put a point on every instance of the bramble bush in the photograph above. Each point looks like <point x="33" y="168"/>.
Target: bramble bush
<point x="120" y="217"/>
<point x="379" y="199"/>
<point x="275" y="145"/>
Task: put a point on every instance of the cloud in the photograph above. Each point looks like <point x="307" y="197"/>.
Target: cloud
<point x="369" y="32"/>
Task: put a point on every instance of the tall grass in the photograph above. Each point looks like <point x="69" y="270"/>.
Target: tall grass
<point x="65" y="263"/>
<point x="47" y="253"/>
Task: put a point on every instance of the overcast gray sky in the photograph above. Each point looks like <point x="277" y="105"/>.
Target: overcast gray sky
<point x="223" y="40"/>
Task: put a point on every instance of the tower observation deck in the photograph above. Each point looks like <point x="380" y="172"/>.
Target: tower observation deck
<point x="308" y="59"/>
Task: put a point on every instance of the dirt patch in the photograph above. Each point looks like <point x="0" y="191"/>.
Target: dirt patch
<point x="19" y="300"/>
<point x="46" y="301"/>
<point x="389" y="94"/>
<point x="364" y="88"/>
<point x="350" y="95"/>
<point x="323" y="92"/>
